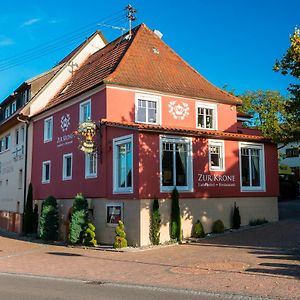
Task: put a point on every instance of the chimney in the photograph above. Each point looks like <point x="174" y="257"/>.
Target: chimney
<point x="158" y="33"/>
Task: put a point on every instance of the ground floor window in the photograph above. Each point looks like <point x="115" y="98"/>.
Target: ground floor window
<point x="46" y="171"/>
<point x="122" y="164"/>
<point x="67" y="166"/>
<point x="176" y="163"/>
<point x="252" y="167"/>
<point x="114" y="213"/>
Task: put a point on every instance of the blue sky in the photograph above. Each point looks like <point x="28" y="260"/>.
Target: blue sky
<point x="230" y="42"/>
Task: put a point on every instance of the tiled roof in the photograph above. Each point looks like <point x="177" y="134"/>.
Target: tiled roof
<point x="146" y="62"/>
<point x="187" y="131"/>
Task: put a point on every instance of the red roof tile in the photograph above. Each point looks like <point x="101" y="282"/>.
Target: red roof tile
<point x="146" y="62"/>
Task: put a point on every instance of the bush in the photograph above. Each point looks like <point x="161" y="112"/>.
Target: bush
<point x="35" y="218"/>
<point x="79" y="219"/>
<point x="89" y="238"/>
<point x="218" y="226"/>
<point x="120" y="240"/>
<point x="198" y="231"/>
<point x="155" y="223"/>
<point x="175" y="230"/>
<point x="254" y="222"/>
<point x="28" y="212"/>
<point x="236" y="217"/>
<point x="49" y="220"/>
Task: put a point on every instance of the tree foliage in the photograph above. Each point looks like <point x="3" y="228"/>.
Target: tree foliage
<point x="28" y="212"/>
<point x="289" y="64"/>
<point x="155" y="223"/>
<point x="79" y="219"/>
<point x="270" y="114"/>
<point x="49" y="220"/>
<point x="120" y="239"/>
<point x="175" y="230"/>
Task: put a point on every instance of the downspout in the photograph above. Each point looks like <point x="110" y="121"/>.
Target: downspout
<point x="26" y="122"/>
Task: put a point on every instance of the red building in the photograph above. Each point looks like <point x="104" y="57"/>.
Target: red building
<point x="161" y="124"/>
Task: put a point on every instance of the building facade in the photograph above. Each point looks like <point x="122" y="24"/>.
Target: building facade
<point x="160" y="125"/>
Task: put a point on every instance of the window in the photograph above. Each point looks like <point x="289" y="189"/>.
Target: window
<point x="48" y="129"/>
<point x="67" y="166"/>
<point x="176" y="163"/>
<point x="85" y="111"/>
<point x="13" y="107"/>
<point x="147" y="108"/>
<point x="46" y="171"/>
<point x="114" y="213"/>
<point x="19" y="136"/>
<point x="90" y="165"/>
<point x="206" y="115"/>
<point x="5" y="143"/>
<point x="7" y="112"/>
<point x="216" y="155"/>
<point x="122" y="157"/>
<point x="292" y="152"/>
<point x="252" y="167"/>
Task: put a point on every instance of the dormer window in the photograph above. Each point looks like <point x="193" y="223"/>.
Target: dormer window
<point x="7" y="112"/>
<point x="206" y="116"/>
<point x="147" y="109"/>
<point x="13" y="107"/>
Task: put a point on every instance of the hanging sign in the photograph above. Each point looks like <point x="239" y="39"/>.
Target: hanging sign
<point x="86" y="133"/>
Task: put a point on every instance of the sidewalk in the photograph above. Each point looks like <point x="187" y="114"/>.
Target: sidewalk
<point x="263" y="261"/>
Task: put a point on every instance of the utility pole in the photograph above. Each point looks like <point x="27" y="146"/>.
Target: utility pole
<point x="130" y="16"/>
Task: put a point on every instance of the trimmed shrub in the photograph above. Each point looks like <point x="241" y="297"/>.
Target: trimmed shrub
<point x="79" y="219"/>
<point x="28" y="212"/>
<point x="175" y="230"/>
<point x="49" y="220"/>
<point x="236" y="217"/>
<point x="120" y="240"/>
<point x="35" y="218"/>
<point x="89" y="238"/>
<point x="198" y="231"/>
<point x="255" y="222"/>
<point x="155" y="223"/>
<point x="218" y="226"/>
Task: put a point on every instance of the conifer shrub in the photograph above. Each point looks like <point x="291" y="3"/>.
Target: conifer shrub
<point x="120" y="240"/>
<point x="218" y="226"/>
<point x="236" y="217"/>
<point x="255" y="222"/>
<point x="35" y="218"/>
<point x="49" y="220"/>
<point x="155" y="223"/>
<point x="175" y="230"/>
<point x="198" y="231"/>
<point x="79" y="219"/>
<point x="89" y="238"/>
<point x="28" y="212"/>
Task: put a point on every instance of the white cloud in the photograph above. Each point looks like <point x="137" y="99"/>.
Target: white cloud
<point x="5" y="41"/>
<point x="31" y="22"/>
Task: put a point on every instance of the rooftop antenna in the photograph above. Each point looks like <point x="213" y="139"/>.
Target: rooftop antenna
<point x="113" y="27"/>
<point x="130" y="11"/>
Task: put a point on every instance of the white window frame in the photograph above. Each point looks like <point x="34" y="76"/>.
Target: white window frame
<point x="217" y="143"/>
<point x="13" y="107"/>
<point x="262" y="187"/>
<point x="116" y="142"/>
<point x="147" y="98"/>
<point x="212" y="106"/>
<point x="179" y="140"/>
<point x="46" y="122"/>
<point x="88" y="174"/>
<point x="44" y="180"/>
<point x="7" y="112"/>
<point x="114" y="204"/>
<point x="81" y="110"/>
<point x="64" y="169"/>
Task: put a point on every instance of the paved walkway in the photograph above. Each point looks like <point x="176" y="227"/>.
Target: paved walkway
<point x="262" y="261"/>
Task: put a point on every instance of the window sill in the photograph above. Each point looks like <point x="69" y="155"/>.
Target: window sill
<point x="90" y="176"/>
<point x="253" y="190"/>
<point x="123" y="191"/>
<point x="179" y="189"/>
<point x="45" y="182"/>
<point x="47" y="141"/>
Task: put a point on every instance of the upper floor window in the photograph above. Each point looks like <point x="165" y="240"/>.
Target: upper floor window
<point x="13" y="107"/>
<point x="46" y="171"/>
<point x="176" y="163"/>
<point x="19" y="136"/>
<point x="5" y="143"/>
<point x="292" y="152"/>
<point x="216" y="155"/>
<point x="7" y="112"/>
<point x="90" y="165"/>
<point x="67" y="166"/>
<point x="123" y="164"/>
<point x="206" y="115"/>
<point x="85" y="111"/>
<point x="252" y="170"/>
<point x="48" y="129"/>
<point x="147" y="108"/>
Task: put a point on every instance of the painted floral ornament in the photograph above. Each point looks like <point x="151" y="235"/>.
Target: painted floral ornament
<point x="179" y="110"/>
<point x="65" y="122"/>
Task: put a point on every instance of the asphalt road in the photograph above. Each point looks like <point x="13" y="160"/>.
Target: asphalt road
<point x="23" y="287"/>
<point x="289" y="209"/>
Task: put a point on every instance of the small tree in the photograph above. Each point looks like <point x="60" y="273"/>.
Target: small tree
<point x="35" y="218"/>
<point x="155" y="223"/>
<point x="175" y="217"/>
<point x="28" y="212"/>
<point x="79" y="219"/>
<point x="236" y="217"/>
<point x="198" y="231"/>
<point x="49" y="220"/>
<point x="89" y="238"/>
<point x="120" y="240"/>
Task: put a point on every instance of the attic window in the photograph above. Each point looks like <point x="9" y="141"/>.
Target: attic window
<point x="65" y="88"/>
<point x="155" y="50"/>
